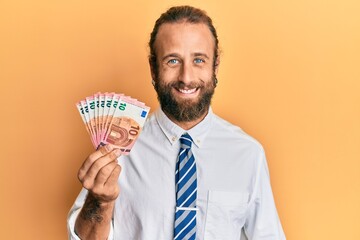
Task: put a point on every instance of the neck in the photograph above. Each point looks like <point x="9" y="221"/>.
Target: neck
<point x="186" y="125"/>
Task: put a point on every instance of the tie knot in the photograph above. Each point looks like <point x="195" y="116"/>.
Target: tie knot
<point x="185" y="140"/>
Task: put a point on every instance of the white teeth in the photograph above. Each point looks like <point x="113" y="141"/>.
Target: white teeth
<point x="188" y="91"/>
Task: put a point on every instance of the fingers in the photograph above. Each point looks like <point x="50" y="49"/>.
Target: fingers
<point x="106" y="183"/>
<point x="105" y="173"/>
<point x="114" y="175"/>
<point x="98" y="166"/>
<point x="102" y="151"/>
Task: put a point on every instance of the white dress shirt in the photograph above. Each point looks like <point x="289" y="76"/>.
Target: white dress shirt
<point x="234" y="196"/>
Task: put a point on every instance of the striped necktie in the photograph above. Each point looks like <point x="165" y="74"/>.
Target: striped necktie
<point x="186" y="187"/>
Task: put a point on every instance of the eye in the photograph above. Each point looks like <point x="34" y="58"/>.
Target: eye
<point x="173" y="61"/>
<point x="199" y="60"/>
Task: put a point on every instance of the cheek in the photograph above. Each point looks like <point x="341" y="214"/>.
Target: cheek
<point x="207" y="75"/>
<point x="167" y="74"/>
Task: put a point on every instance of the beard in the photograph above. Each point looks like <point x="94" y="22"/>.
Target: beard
<point x="185" y="110"/>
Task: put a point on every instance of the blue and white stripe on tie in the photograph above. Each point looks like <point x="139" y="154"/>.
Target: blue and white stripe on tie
<point x="186" y="188"/>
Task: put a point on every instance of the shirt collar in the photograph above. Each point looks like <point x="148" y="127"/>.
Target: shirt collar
<point x="173" y="132"/>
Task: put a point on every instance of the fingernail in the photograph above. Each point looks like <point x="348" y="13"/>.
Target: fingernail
<point x="118" y="152"/>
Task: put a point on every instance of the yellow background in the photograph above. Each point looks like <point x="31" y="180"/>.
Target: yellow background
<point x="289" y="76"/>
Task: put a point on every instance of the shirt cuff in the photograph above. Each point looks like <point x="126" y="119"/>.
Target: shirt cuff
<point x="71" y="224"/>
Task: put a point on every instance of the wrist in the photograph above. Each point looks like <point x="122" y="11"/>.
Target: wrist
<point x="96" y="210"/>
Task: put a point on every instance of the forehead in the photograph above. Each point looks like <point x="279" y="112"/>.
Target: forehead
<point x="184" y="38"/>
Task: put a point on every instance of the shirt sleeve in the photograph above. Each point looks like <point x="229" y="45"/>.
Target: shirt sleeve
<point x="73" y="214"/>
<point x="263" y="221"/>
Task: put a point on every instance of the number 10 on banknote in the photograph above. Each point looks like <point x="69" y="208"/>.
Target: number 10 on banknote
<point x="112" y="118"/>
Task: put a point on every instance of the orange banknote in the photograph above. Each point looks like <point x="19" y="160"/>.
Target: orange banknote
<point x="112" y="118"/>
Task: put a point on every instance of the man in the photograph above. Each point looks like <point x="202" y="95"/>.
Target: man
<point x="191" y="174"/>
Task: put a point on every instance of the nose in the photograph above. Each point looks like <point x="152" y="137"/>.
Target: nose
<point x="187" y="73"/>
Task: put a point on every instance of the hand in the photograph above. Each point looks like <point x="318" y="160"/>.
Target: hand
<point x="100" y="172"/>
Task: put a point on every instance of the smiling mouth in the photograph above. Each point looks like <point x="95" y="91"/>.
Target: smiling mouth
<point x="187" y="91"/>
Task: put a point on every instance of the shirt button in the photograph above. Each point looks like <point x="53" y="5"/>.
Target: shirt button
<point x="198" y="141"/>
<point x="173" y="138"/>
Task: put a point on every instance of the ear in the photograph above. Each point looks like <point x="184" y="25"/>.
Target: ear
<point x="216" y="65"/>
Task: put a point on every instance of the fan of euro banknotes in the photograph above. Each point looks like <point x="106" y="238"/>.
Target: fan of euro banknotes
<point x="113" y="118"/>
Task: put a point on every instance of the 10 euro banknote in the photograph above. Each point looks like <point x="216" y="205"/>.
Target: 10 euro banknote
<point x="112" y="118"/>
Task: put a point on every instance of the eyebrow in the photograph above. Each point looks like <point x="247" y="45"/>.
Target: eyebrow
<point x="200" y="54"/>
<point x="170" y="55"/>
<point x="196" y="54"/>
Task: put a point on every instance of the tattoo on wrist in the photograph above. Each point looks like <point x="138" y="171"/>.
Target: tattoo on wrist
<point x="92" y="210"/>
